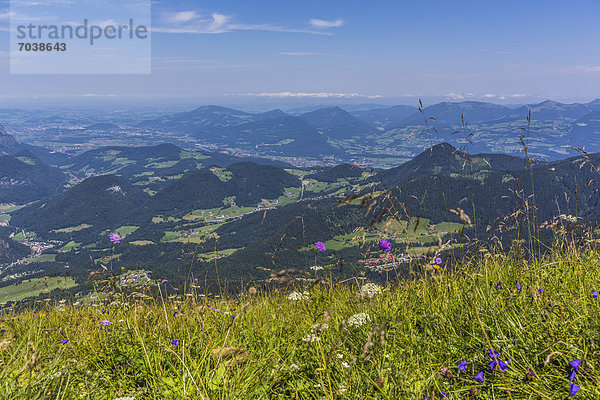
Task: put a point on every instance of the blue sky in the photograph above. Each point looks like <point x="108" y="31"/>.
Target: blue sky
<point x="368" y="51"/>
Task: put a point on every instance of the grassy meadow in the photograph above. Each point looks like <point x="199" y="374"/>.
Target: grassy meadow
<point x="421" y="338"/>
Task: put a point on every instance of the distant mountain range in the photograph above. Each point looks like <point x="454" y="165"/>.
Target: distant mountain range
<point x="444" y="159"/>
<point x="444" y="178"/>
<point x="351" y="136"/>
<point x="336" y="123"/>
<point x="106" y="200"/>
<point x="329" y="134"/>
<point x="25" y="178"/>
<point x="385" y="118"/>
<point x="166" y="159"/>
<point x="273" y="132"/>
<point x="248" y="183"/>
<point x="480" y="112"/>
<point x="254" y="215"/>
<point x="493" y="176"/>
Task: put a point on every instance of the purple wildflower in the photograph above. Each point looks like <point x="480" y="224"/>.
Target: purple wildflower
<point x="502" y="365"/>
<point x="443" y="395"/>
<point x="540" y="290"/>
<point x="209" y="307"/>
<point x="462" y="366"/>
<point x="195" y="280"/>
<point x="2" y="330"/>
<point x="65" y="341"/>
<point x="320" y="246"/>
<point x="574" y="388"/>
<point x="479" y="377"/>
<point x="164" y="281"/>
<point x="385" y="245"/>
<point x="575" y="364"/>
<point x="594" y="294"/>
<point x="438" y="260"/>
<point x="573" y="368"/>
<point x="498" y="285"/>
<point x="115" y="238"/>
<point x="105" y="322"/>
<point x="518" y="286"/>
<point x="175" y="314"/>
<point x="493" y="353"/>
<point x="175" y="342"/>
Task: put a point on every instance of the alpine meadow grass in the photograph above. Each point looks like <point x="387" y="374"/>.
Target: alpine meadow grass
<point x="495" y="328"/>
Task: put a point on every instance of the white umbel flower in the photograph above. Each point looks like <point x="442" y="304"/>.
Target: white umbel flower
<point x="370" y="290"/>
<point x="358" y="319"/>
<point x="297" y="296"/>
<point x="311" y="338"/>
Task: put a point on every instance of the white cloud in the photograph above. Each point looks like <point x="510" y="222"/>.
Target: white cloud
<point x="322" y="23"/>
<point x="22" y="17"/>
<point x="459" y="96"/>
<point x="586" y="68"/>
<point x="183" y="16"/>
<point x="191" y="22"/>
<point x="44" y="2"/>
<point x="485" y="96"/>
<point x="320" y="95"/>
